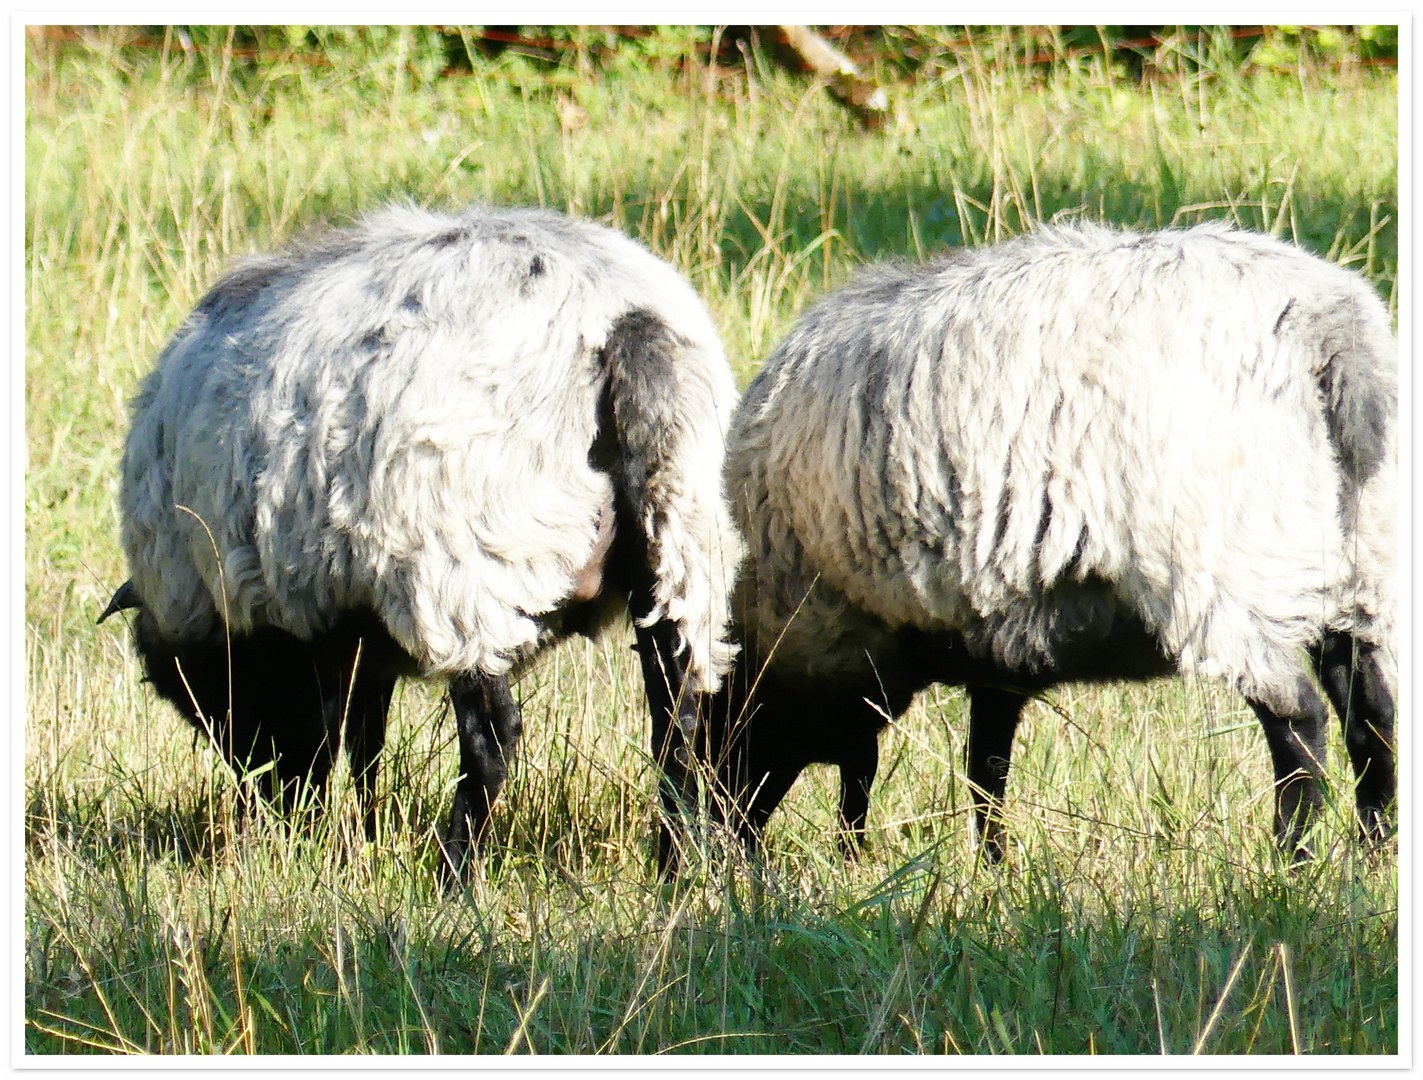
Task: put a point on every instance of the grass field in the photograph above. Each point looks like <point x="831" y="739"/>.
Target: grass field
<point x="1142" y="908"/>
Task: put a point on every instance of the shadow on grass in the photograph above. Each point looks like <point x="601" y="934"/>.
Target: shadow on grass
<point x="192" y="830"/>
<point x="899" y="220"/>
<point x="196" y="830"/>
<point x="939" y="957"/>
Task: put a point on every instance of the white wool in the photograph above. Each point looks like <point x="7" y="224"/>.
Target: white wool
<point x="949" y="447"/>
<point x="400" y="417"/>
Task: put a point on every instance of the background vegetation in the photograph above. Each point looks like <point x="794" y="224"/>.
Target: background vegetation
<point x="1142" y="908"/>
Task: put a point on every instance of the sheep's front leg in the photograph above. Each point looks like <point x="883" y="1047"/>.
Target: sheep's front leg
<point x="992" y="721"/>
<point x="857" y="776"/>
<point x="674" y="727"/>
<point x="1295" y="727"/>
<point x="1351" y="675"/>
<point x="365" y="738"/>
<point x="762" y="795"/>
<point x="489" y="727"/>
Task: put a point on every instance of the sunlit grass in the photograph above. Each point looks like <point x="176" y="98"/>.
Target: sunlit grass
<point x="1142" y="908"/>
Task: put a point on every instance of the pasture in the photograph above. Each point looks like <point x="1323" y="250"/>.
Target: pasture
<point x="1142" y="908"/>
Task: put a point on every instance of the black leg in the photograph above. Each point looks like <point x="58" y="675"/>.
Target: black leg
<point x="857" y="776"/>
<point x="362" y="663"/>
<point x="306" y="752"/>
<point x="365" y="738"/>
<point x="247" y="750"/>
<point x="674" y="727"/>
<point x="724" y="742"/>
<point x="350" y="679"/>
<point x="489" y="727"/>
<point x="750" y="752"/>
<point x="1350" y="673"/>
<point x="992" y="720"/>
<point x="1295" y="732"/>
<point x="766" y="787"/>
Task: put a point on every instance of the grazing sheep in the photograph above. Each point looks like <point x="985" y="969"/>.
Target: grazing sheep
<point x="1080" y="455"/>
<point x="429" y="446"/>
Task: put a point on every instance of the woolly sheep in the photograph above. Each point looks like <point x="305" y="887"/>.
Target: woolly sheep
<point x="429" y="445"/>
<point x="1082" y="454"/>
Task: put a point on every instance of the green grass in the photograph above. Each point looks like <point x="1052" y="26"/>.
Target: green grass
<point x="1142" y="907"/>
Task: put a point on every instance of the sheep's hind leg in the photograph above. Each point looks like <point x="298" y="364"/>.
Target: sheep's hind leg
<point x="1352" y="677"/>
<point x="674" y="725"/>
<point x="992" y="721"/>
<point x="1295" y="726"/>
<point x="489" y="727"/>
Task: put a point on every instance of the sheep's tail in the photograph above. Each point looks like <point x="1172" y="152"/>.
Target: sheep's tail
<point x="1357" y="376"/>
<point x="668" y="415"/>
<point x="1356" y="372"/>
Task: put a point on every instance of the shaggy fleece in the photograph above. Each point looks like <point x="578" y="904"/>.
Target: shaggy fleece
<point x="398" y="417"/>
<point x="1014" y="443"/>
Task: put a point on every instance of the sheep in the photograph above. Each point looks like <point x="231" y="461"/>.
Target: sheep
<point x="429" y="445"/>
<point x="1080" y="455"/>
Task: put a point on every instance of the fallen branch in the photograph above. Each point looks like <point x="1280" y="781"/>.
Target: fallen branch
<point x="856" y="92"/>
